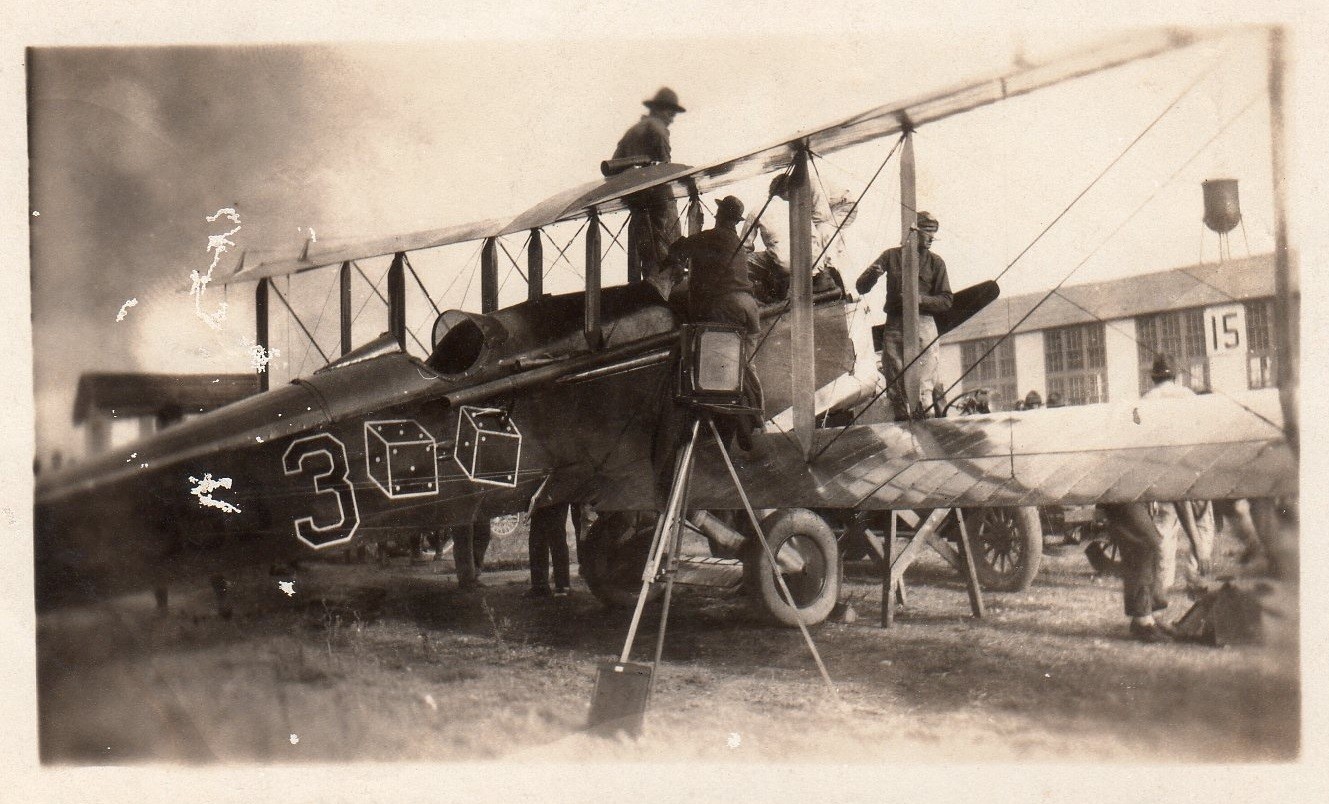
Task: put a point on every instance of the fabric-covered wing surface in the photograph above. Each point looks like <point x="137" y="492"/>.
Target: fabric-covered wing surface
<point x="1208" y="447"/>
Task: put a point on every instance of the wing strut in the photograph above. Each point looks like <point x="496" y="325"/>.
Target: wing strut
<point x="802" y="348"/>
<point x="908" y="272"/>
<point x="535" y="266"/>
<point x="1287" y="290"/>
<point x="591" y="319"/>
<point x="261" y="327"/>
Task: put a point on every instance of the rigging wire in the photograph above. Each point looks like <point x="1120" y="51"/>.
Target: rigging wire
<point x="1184" y="92"/>
<point x="513" y="260"/>
<point x="613" y="239"/>
<point x="848" y="217"/>
<point x="563" y="251"/>
<point x="900" y="377"/>
<point x="321" y="313"/>
<point x="381" y="297"/>
<point x="372" y="286"/>
<point x="406" y="259"/>
<point x="1056" y="288"/>
<point x="301" y="324"/>
<point x="467" y="269"/>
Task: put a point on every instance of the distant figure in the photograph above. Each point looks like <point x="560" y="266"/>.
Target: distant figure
<point x="548" y="544"/>
<point x="469" y="545"/>
<point x="934" y="298"/>
<point x="1033" y="401"/>
<point x="1195" y="518"/>
<point x="654" y="221"/>
<point x="1055" y="401"/>
<point x="1132" y="529"/>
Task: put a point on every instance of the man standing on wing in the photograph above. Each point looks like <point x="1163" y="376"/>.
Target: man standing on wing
<point x="934" y="298"/>
<point x="654" y="219"/>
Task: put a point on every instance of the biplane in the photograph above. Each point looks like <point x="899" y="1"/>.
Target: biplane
<point x="568" y="398"/>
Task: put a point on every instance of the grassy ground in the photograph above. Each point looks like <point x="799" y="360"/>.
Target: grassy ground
<point x="375" y="663"/>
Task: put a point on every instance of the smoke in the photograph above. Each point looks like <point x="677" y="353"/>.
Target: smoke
<point x="131" y="149"/>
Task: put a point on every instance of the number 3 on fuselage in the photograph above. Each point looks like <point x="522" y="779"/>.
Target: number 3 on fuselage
<point x="324" y="458"/>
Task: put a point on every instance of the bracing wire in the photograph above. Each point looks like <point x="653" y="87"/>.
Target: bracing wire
<point x="848" y="217"/>
<point x="997" y="342"/>
<point x="1056" y="288"/>
<point x="318" y="321"/>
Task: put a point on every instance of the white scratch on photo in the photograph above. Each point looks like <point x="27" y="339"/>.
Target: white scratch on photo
<point x="288" y="587"/>
<point x="203" y="491"/>
<point x="295" y="738"/>
<point x="218" y="244"/>
<point x="734" y="740"/>
<point x="259" y="357"/>
<point x="124" y="310"/>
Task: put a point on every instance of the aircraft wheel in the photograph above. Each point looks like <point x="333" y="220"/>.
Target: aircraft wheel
<point x="613" y="555"/>
<point x="1008" y="546"/>
<point x="796" y="535"/>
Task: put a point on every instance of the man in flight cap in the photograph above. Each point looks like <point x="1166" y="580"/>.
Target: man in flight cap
<point x="934" y="298"/>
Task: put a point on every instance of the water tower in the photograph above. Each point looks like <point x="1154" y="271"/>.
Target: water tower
<point x="1222" y="213"/>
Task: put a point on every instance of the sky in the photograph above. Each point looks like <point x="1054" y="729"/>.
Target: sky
<point x="134" y="147"/>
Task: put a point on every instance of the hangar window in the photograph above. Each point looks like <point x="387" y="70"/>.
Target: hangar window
<point x="1261" y="351"/>
<point x="996" y="372"/>
<point x="1076" y="363"/>
<point x="1179" y="334"/>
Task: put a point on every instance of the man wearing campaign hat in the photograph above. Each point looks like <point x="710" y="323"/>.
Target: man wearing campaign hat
<point x="934" y="298"/>
<point x="719" y="287"/>
<point x="655" y="213"/>
<point x="1196" y="518"/>
<point x="720" y="291"/>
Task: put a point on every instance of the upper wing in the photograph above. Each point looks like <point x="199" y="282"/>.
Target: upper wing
<point x="609" y="195"/>
<point x="1205" y="448"/>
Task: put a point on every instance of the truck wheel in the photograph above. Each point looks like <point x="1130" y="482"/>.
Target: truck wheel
<point x="613" y="555"/>
<point x="809" y="556"/>
<point x="1008" y="546"/>
<point x="507" y="525"/>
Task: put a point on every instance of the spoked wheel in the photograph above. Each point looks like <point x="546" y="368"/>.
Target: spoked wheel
<point x="809" y="560"/>
<point x="613" y="555"/>
<point x="506" y="525"/>
<point x="1104" y="556"/>
<point x="1008" y="546"/>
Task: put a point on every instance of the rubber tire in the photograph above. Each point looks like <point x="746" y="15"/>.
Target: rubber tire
<point x="614" y="553"/>
<point x="989" y="531"/>
<point x="759" y="579"/>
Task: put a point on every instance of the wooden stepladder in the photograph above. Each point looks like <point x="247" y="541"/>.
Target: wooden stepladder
<point x="894" y="563"/>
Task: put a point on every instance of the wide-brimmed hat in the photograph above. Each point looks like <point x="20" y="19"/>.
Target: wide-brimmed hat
<point x="666" y="98"/>
<point x="730" y="208"/>
<point x="927" y="223"/>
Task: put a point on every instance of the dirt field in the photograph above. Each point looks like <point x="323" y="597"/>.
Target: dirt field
<point x="370" y="663"/>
